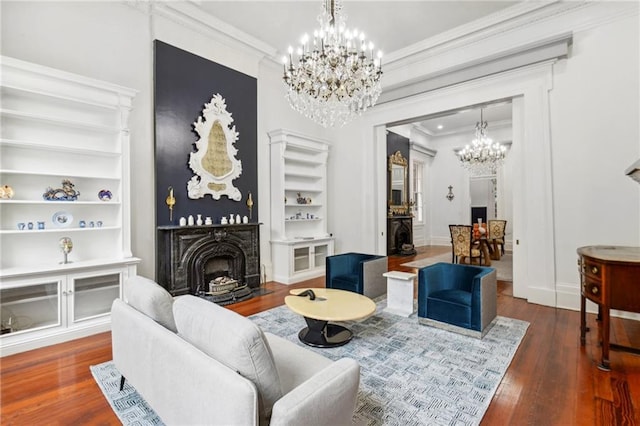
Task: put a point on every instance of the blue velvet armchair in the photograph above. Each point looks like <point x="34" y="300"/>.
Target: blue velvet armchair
<point x="460" y="298"/>
<point x="357" y="272"/>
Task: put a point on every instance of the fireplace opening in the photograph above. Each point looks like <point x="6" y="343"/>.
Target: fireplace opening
<point x="402" y="237"/>
<point x="219" y="273"/>
<point x="221" y="266"/>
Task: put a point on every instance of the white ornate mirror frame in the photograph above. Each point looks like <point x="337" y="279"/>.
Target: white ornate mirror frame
<point x="214" y="162"/>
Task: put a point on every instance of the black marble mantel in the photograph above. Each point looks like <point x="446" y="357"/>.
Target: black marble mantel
<point x="182" y="251"/>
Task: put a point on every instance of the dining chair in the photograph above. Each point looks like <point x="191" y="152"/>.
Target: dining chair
<point x="496" y="232"/>
<point x="462" y="244"/>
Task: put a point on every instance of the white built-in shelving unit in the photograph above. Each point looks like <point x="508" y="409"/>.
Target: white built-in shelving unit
<point x="299" y="239"/>
<point x="56" y="126"/>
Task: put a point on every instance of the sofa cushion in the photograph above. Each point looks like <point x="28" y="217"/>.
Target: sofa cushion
<point x="151" y="299"/>
<point x="234" y="341"/>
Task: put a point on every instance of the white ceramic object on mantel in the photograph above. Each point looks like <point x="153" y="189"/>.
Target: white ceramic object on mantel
<point x="245" y="219"/>
<point x="199" y="220"/>
<point x="208" y="220"/>
<point x="190" y="220"/>
<point x="223" y="221"/>
<point x="183" y="221"/>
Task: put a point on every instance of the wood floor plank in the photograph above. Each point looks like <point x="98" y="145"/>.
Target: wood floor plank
<point x="552" y="380"/>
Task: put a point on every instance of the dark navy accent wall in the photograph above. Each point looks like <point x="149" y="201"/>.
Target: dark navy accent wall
<point x="396" y="143"/>
<point x="183" y="83"/>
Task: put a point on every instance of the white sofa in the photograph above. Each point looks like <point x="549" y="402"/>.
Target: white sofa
<point x="197" y="363"/>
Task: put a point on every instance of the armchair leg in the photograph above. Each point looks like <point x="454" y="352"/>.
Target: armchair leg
<point x="122" y="380"/>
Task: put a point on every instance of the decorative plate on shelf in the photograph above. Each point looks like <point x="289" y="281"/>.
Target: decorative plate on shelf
<point x="105" y="195"/>
<point x="62" y="219"/>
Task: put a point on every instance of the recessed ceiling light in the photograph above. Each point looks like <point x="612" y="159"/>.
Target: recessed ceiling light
<point x="440" y="126"/>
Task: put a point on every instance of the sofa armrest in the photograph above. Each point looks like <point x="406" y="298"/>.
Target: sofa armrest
<point x="485" y="288"/>
<point x="374" y="284"/>
<point x="327" y="398"/>
<point x="181" y="383"/>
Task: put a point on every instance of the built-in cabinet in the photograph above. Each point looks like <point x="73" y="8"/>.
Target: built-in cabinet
<point x="299" y="239"/>
<point x="66" y="135"/>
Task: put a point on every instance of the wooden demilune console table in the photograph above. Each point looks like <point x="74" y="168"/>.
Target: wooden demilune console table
<point x="610" y="277"/>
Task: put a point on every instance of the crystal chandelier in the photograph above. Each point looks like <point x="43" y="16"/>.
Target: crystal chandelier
<point x="335" y="76"/>
<point x="483" y="156"/>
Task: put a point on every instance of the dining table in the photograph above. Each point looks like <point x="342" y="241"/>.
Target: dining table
<point x="486" y="249"/>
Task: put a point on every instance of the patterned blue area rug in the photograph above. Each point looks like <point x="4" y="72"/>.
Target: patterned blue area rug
<point x="411" y="374"/>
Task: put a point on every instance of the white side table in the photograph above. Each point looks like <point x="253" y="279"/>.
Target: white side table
<point x="399" y="292"/>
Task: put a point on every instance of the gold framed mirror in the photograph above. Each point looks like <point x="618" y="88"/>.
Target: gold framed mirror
<point x="398" y="185"/>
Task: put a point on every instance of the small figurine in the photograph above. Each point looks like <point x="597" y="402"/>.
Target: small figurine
<point x="66" y="245"/>
<point x="105" y="195"/>
<point x="301" y="199"/>
<point x="6" y="192"/>
<point x="66" y="193"/>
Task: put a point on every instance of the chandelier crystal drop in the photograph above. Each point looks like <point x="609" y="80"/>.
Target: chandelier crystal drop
<point x="483" y="156"/>
<point x="334" y="75"/>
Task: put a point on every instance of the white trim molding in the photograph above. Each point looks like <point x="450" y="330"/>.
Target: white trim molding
<point x="415" y="146"/>
<point x="534" y="256"/>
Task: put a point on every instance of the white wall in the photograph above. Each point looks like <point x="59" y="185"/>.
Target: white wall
<point x="591" y="133"/>
<point x="113" y="41"/>
<point x="577" y="131"/>
<point x="595" y="136"/>
<point x="446" y="170"/>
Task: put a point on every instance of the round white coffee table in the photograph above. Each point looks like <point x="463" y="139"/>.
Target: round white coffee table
<point x="326" y="305"/>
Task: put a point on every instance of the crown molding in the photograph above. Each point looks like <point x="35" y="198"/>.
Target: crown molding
<point x="420" y="129"/>
<point x="189" y="15"/>
<point x="415" y="146"/>
<point x="536" y="52"/>
<point x="468" y="33"/>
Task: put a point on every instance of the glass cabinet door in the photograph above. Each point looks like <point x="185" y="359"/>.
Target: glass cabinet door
<point x="93" y="296"/>
<point x="300" y="259"/>
<point x="30" y="307"/>
<point x="321" y="252"/>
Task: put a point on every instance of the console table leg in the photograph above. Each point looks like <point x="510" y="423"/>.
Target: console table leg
<point x="583" y="320"/>
<point x="604" y="365"/>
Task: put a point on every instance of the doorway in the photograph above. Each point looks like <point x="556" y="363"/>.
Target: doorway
<point x="531" y="187"/>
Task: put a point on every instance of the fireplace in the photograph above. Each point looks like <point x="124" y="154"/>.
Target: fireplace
<point x="191" y="257"/>
<point x="400" y="235"/>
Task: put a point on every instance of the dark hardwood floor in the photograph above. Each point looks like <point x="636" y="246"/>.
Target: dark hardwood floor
<point x="551" y="381"/>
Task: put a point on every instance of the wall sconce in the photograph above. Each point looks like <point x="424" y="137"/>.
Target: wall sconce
<point x="634" y="171"/>
<point x="450" y="195"/>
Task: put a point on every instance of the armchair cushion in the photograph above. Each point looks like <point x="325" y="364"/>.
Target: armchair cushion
<point x="233" y="340"/>
<point x="151" y="299"/>
<point x="357" y="272"/>
<point x="459" y="295"/>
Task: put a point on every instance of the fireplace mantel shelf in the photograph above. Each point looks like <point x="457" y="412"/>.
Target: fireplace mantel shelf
<point x="172" y="227"/>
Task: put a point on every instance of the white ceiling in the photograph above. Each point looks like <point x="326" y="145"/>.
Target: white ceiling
<point x="466" y="119"/>
<point x="390" y="25"/>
